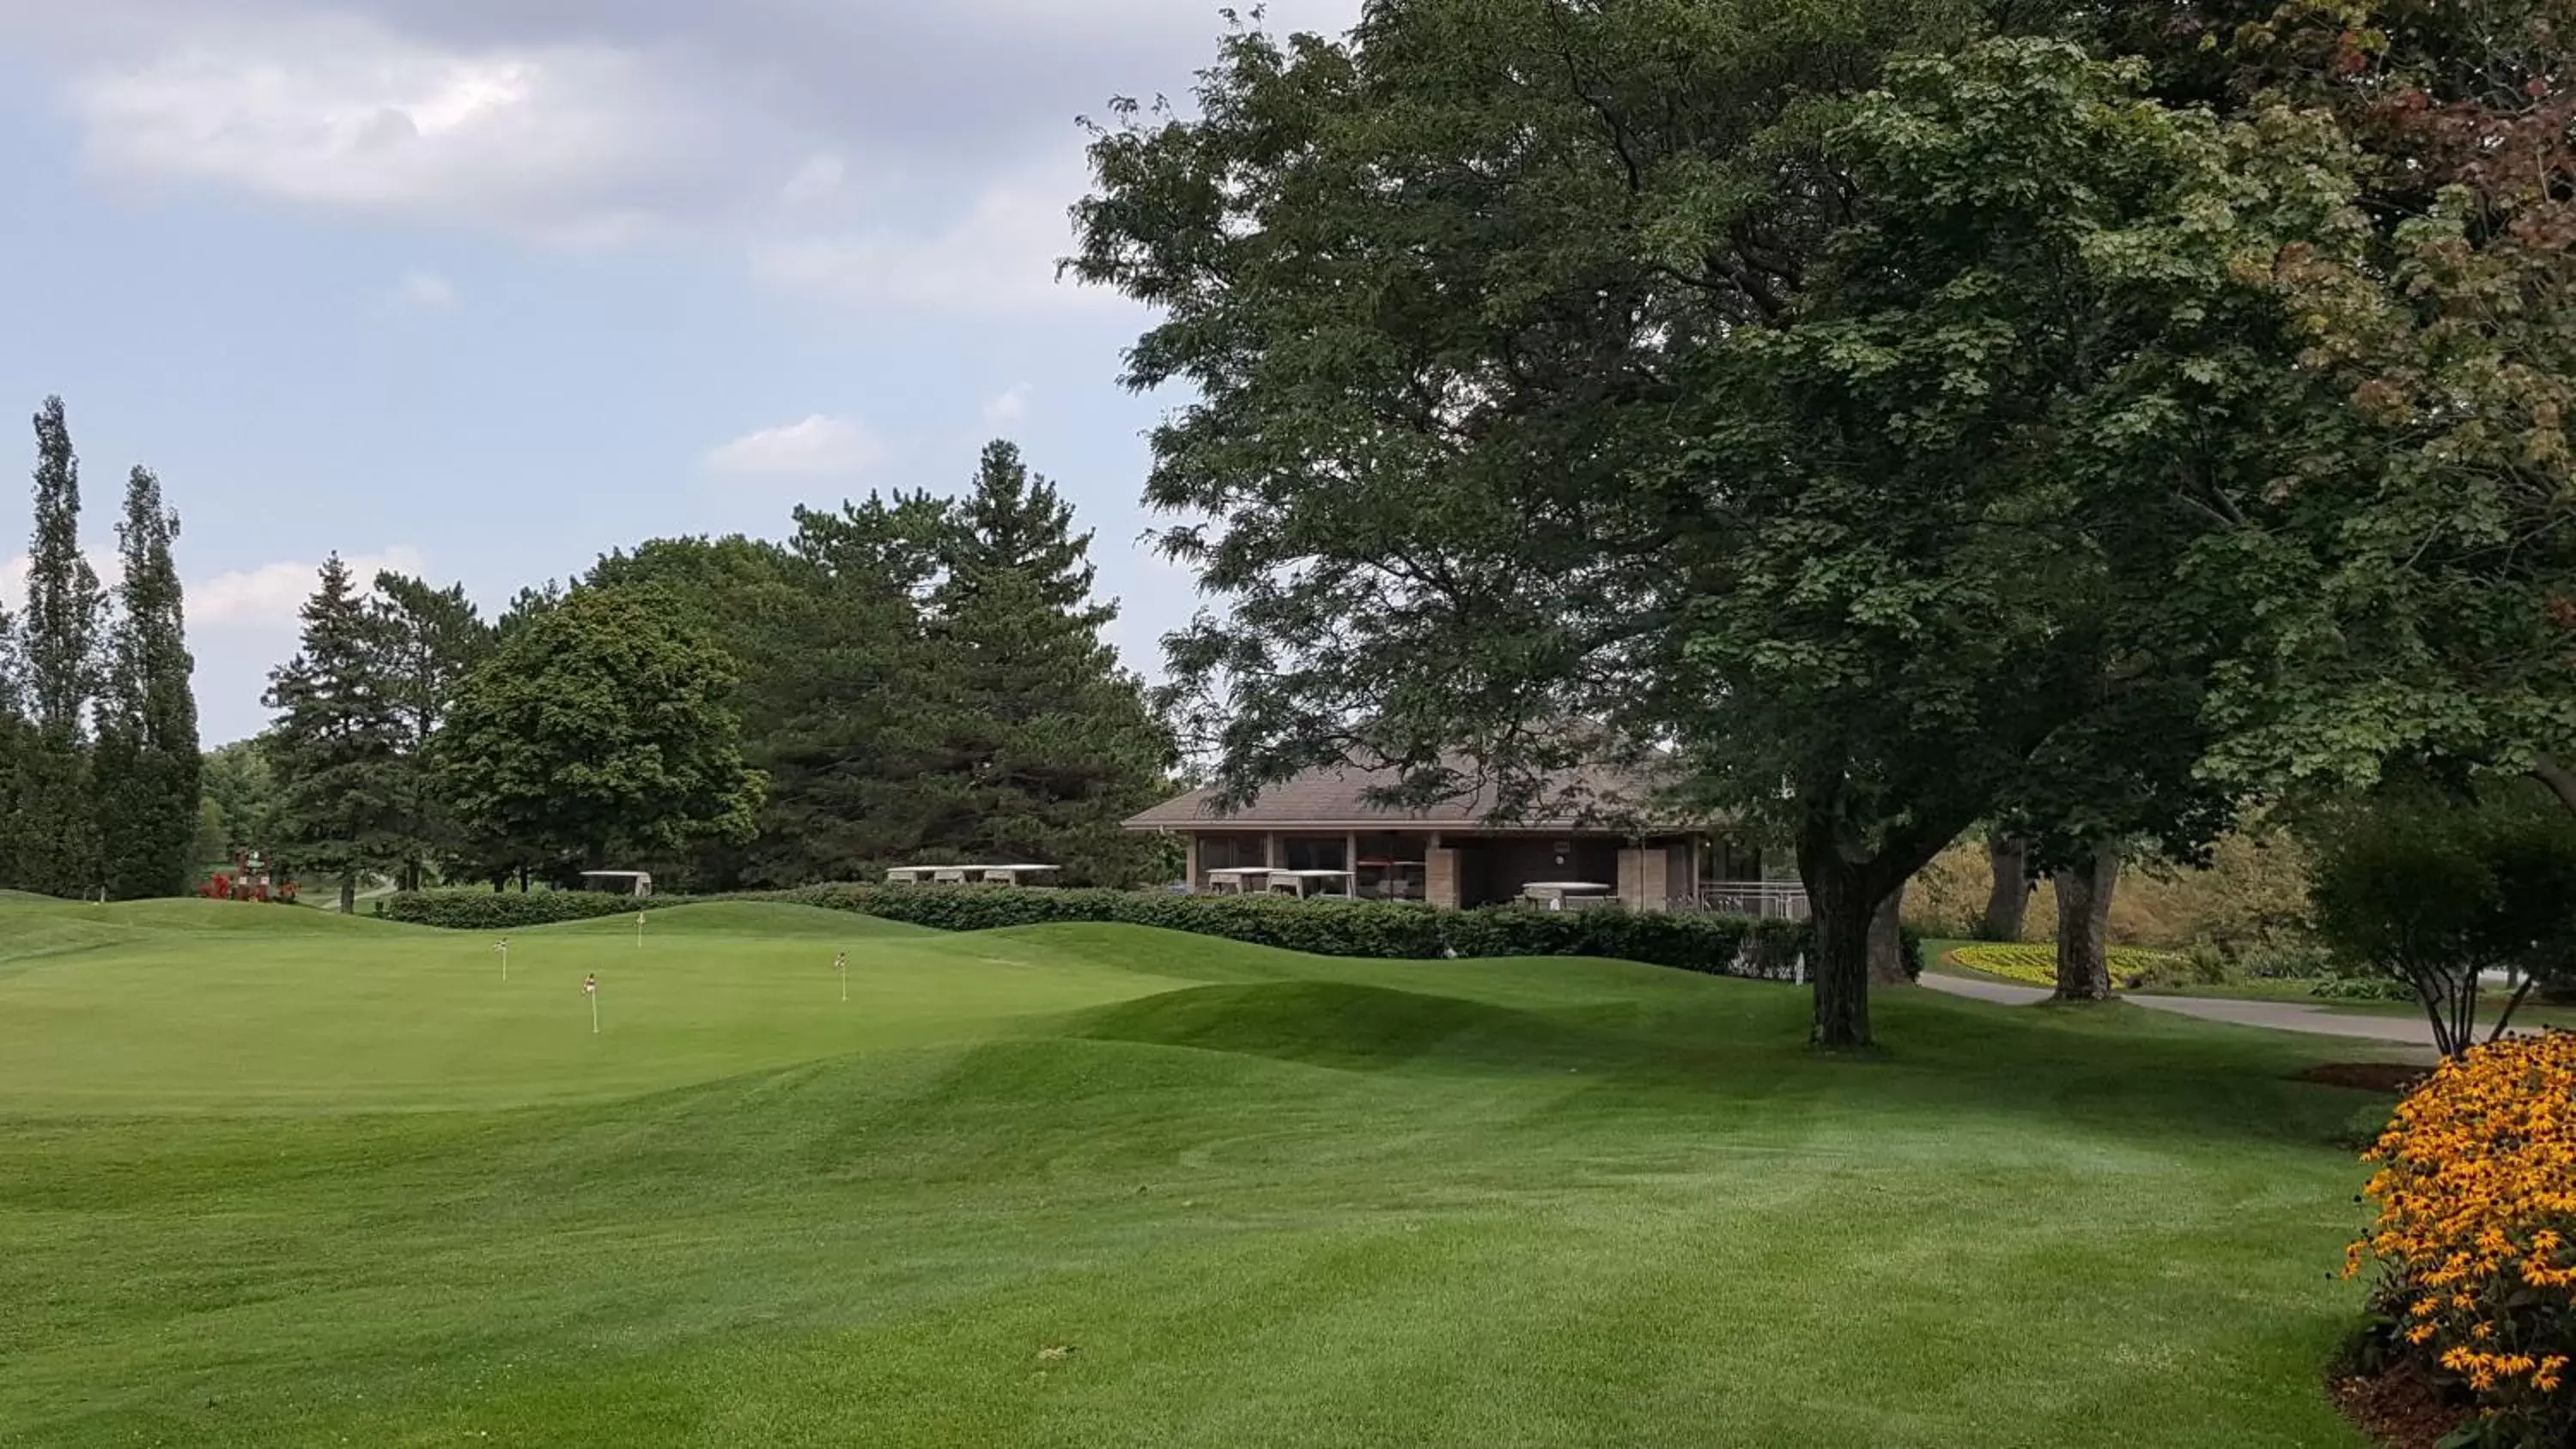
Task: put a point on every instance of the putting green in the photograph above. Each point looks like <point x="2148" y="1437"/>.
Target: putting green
<point x="272" y="1178"/>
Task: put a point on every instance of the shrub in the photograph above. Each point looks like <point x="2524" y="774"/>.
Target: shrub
<point x="1718" y="945"/>
<point x="2435" y="890"/>
<point x="472" y="910"/>
<point x="2361" y="988"/>
<point x="2476" y="1234"/>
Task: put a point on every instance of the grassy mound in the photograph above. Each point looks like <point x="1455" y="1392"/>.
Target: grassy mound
<point x="1099" y="1185"/>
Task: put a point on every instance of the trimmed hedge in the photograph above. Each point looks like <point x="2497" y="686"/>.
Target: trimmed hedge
<point x="1712" y="944"/>
<point x="1717" y="945"/>
<point x="486" y="910"/>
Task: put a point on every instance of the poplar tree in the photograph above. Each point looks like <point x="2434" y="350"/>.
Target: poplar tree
<point x="55" y="835"/>
<point x="149" y="770"/>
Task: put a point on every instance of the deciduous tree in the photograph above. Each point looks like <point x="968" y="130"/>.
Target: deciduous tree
<point x="55" y="834"/>
<point x="149" y="768"/>
<point x="600" y="732"/>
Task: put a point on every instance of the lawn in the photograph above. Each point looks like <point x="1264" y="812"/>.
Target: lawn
<point x="268" y="1177"/>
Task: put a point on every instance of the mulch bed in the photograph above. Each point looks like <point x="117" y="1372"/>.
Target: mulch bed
<point x="2399" y="1407"/>
<point x="2366" y="1076"/>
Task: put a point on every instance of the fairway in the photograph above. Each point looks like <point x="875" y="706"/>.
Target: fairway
<point x="270" y="1177"/>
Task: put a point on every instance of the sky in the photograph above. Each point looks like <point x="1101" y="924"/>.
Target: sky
<point x="479" y="289"/>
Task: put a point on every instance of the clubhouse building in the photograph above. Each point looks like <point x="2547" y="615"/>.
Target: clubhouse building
<point x="1597" y="839"/>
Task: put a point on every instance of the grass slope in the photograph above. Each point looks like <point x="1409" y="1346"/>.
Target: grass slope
<point x="1093" y="1185"/>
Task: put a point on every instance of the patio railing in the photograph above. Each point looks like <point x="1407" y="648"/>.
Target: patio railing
<point x="1772" y="899"/>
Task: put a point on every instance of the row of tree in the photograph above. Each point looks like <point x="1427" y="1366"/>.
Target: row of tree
<point x="904" y="679"/>
<point x="98" y="719"/>
<point x="2084" y="419"/>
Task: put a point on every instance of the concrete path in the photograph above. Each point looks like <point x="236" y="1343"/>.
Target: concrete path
<point x="2276" y="1015"/>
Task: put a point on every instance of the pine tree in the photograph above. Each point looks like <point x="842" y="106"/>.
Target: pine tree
<point x="334" y="745"/>
<point x="55" y="838"/>
<point x="149" y="771"/>
<point x="429" y="638"/>
<point x="1047" y="745"/>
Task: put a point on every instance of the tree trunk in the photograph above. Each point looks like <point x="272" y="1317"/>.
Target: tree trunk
<point x="348" y="895"/>
<point x="2084" y="926"/>
<point x="1887" y="942"/>
<point x="1839" y="896"/>
<point x="2008" y="909"/>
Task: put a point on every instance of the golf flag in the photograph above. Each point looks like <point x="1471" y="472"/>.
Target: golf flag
<point x="841" y="963"/>
<point x="504" y="949"/>
<point x="590" y="988"/>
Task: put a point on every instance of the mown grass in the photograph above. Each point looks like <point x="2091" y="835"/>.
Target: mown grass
<point x="271" y="1182"/>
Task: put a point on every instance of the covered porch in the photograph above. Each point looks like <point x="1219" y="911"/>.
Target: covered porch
<point x="1457" y="869"/>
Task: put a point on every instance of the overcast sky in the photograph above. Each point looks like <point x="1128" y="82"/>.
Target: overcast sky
<point x="481" y="288"/>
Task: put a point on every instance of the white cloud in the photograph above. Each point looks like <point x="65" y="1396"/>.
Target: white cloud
<point x="268" y="597"/>
<point x="424" y="292"/>
<point x="1009" y="408"/>
<point x="818" y="447"/>
<point x="573" y="142"/>
<point x="819" y="178"/>
<point x="1000" y="257"/>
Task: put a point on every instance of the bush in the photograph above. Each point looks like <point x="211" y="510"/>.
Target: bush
<point x="1712" y="944"/>
<point x="2361" y="988"/>
<point x="1717" y="945"/>
<point x="2476" y="1235"/>
<point x="2434" y="890"/>
<point x="472" y="910"/>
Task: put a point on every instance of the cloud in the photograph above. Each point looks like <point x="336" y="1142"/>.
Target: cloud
<point x="268" y="597"/>
<point x="424" y="292"/>
<point x="568" y="141"/>
<point x="999" y="257"/>
<point x="1008" y="408"/>
<point x="839" y="145"/>
<point x="818" y="447"/>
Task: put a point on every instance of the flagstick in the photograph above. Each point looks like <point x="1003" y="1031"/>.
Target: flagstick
<point x="639" y="930"/>
<point x="594" y="1013"/>
<point x="841" y="963"/>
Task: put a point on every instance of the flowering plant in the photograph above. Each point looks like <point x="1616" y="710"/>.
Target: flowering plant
<point x="2476" y="1236"/>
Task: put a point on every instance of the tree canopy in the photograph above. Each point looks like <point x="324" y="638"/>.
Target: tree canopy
<point x="599" y="733"/>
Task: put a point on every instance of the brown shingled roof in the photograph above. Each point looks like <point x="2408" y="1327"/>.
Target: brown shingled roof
<point x="1336" y="797"/>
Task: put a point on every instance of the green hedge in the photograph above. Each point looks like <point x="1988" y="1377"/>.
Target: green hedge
<point x="1713" y="944"/>
<point x="486" y="910"/>
<point x="1718" y="945"/>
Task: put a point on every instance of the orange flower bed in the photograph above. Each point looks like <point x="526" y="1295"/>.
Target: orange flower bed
<point x="2476" y="1234"/>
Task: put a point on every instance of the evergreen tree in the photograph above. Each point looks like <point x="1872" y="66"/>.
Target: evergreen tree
<point x="429" y="638"/>
<point x="1045" y="745"/>
<point x="335" y="746"/>
<point x="56" y="835"/>
<point x="849" y="733"/>
<point x="149" y="769"/>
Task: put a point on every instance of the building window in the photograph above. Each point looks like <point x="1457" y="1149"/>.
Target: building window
<point x="1391" y="867"/>
<point x="1313" y="853"/>
<point x="1231" y="852"/>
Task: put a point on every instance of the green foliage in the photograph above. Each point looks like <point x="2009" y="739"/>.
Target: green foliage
<point x="427" y="639"/>
<point x="150" y="772"/>
<point x="600" y="733"/>
<point x="2433" y="890"/>
<point x="1637" y="364"/>
<point x="487" y="910"/>
<point x="1717" y="945"/>
<point x="335" y="747"/>
<point x="240" y="780"/>
<point x="53" y="843"/>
